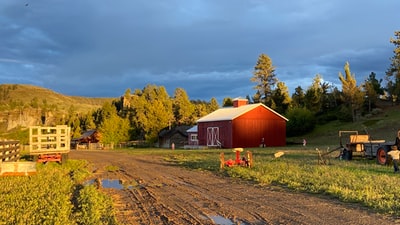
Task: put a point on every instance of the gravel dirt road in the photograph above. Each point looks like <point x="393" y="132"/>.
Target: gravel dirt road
<point x="159" y="192"/>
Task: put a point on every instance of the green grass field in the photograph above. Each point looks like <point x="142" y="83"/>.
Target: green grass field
<point x="359" y="181"/>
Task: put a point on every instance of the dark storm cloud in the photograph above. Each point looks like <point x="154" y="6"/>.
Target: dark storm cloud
<point x="209" y="48"/>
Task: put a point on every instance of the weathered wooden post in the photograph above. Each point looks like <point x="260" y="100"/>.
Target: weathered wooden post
<point x="250" y="159"/>
<point x="222" y="160"/>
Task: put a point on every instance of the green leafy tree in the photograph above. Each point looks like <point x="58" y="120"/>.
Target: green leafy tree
<point x="265" y="78"/>
<point x="152" y="111"/>
<point x="183" y="108"/>
<point x="114" y="129"/>
<point x="352" y="94"/>
<point x="73" y="121"/>
<point x="393" y="73"/>
<point x="200" y="108"/>
<point x="301" y="121"/>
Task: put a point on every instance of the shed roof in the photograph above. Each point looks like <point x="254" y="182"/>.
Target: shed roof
<point x="166" y="132"/>
<point x="192" y="129"/>
<point x="230" y="113"/>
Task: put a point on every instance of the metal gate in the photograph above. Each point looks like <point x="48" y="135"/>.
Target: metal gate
<point x="213" y="136"/>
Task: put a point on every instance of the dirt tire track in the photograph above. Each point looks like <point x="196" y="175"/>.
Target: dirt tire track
<point x="167" y="194"/>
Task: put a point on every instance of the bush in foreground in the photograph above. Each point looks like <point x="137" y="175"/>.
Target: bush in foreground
<point x="48" y="197"/>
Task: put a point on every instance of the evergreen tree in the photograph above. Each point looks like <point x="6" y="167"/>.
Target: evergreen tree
<point x="298" y="97"/>
<point x="375" y="83"/>
<point x="226" y="102"/>
<point x="249" y="99"/>
<point x="325" y="96"/>
<point x="213" y="105"/>
<point x="87" y="122"/>
<point x="372" y="89"/>
<point x="313" y="95"/>
<point x="393" y="73"/>
<point x="256" y="97"/>
<point x="264" y="76"/>
<point x="281" y="98"/>
<point x="200" y="109"/>
<point x="352" y="94"/>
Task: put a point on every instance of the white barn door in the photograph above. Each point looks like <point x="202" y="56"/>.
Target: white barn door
<point x="213" y="136"/>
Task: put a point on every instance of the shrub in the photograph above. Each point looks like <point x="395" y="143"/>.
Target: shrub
<point x="301" y="121"/>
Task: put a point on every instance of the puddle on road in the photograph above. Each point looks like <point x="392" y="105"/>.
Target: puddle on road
<point x="116" y="184"/>
<point x="110" y="183"/>
<point x="220" y="220"/>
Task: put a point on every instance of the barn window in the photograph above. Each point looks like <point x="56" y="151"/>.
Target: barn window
<point x="193" y="137"/>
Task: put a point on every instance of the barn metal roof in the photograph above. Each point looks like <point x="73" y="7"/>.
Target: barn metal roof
<point x="231" y="113"/>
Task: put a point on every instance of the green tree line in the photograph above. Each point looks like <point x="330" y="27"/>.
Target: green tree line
<point x="141" y="115"/>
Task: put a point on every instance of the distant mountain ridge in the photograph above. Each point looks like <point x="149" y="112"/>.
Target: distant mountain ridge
<point x="24" y="105"/>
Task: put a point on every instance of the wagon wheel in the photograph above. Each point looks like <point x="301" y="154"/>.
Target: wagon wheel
<point x="381" y="156"/>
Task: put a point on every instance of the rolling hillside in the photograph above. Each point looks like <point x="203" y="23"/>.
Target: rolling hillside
<point x="24" y="105"/>
<point x="27" y="94"/>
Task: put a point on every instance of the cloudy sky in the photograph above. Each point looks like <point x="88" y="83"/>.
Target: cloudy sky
<point x="100" y="48"/>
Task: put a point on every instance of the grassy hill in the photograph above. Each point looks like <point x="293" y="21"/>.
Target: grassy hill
<point x="383" y="126"/>
<point x="16" y="95"/>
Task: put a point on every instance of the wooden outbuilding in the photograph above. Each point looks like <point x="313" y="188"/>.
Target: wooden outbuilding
<point x="90" y="139"/>
<point x="243" y="125"/>
<point x="175" y="135"/>
<point x="192" y="136"/>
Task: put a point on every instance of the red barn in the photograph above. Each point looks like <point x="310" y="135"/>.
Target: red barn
<point x="243" y="125"/>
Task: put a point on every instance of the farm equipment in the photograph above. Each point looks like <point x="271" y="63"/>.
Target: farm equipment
<point x="239" y="161"/>
<point x="9" y="160"/>
<point x="49" y="144"/>
<point x="365" y="146"/>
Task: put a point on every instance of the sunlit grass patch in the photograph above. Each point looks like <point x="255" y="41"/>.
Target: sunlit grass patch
<point x="360" y="180"/>
<point x="112" y="168"/>
<point x="53" y="196"/>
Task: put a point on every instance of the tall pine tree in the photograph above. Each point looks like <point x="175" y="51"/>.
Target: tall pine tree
<point x="393" y="73"/>
<point x="264" y="76"/>
<point x="352" y="94"/>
